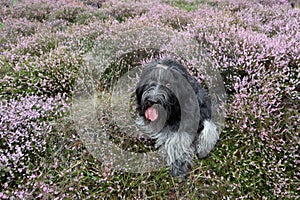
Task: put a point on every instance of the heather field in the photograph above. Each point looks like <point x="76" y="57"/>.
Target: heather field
<point x="46" y="44"/>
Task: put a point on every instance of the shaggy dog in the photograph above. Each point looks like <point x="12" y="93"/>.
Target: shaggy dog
<point x="175" y="111"/>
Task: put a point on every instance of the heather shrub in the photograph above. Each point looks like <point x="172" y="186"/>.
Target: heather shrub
<point x="260" y="73"/>
<point x="18" y="27"/>
<point x="32" y="10"/>
<point x="121" y="10"/>
<point x="168" y="15"/>
<point x="52" y="74"/>
<point x="47" y="11"/>
<point x="148" y="10"/>
<point x="14" y="28"/>
<point x="36" y="46"/>
<point x="24" y="132"/>
<point x="43" y="44"/>
<point x="186" y="5"/>
<point x="77" y="14"/>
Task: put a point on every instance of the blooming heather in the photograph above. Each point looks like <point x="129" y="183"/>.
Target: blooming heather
<point x="254" y="44"/>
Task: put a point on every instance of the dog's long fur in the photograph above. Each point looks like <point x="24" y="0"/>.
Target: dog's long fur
<point x="178" y="133"/>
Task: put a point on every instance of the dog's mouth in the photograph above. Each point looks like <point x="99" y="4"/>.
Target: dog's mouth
<point x="151" y="113"/>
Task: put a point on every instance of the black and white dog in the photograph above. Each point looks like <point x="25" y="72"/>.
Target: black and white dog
<point x="175" y="110"/>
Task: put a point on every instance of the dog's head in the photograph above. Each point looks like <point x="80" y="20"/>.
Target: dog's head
<point x="155" y="96"/>
<point x="153" y="99"/>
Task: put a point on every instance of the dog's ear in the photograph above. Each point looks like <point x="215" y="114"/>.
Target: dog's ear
<point x="139" y="92"/>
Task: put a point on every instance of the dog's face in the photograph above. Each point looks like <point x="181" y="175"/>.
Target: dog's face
<point x="153" y="98"/>
<point x="156" y="100"/>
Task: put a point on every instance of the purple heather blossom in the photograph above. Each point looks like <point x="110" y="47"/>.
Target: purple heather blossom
<point x="254" y="44"/>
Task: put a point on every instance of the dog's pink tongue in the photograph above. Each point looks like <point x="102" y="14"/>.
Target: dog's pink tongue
<point x="151" y="113"/>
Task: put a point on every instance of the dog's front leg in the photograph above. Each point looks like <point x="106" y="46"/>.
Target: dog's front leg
<point x="181" y="166"/>
<point x="179" y="151"/>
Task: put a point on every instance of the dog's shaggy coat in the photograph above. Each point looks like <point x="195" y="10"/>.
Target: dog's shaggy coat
<point x="175" y="110"/>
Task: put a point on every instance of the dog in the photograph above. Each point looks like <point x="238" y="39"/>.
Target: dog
<point x="175" y="111"/>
